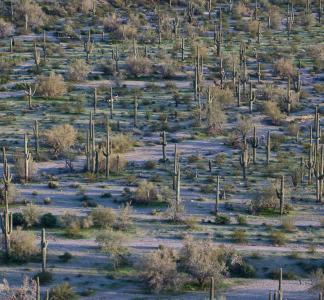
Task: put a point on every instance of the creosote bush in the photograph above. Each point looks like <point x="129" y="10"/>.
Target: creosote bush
<point x="51" y="86"/>
<point x="146" y="193"/>
<point x="22" y="245"/>
<point x="103" y="217"/>
<point x="78" y="70"/>
<point x="63" y="291"/>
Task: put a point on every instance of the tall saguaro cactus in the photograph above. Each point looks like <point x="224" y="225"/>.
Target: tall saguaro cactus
<point x="217" y="196"/>
<point x="30" y="92"/>
<point x="164" y="144"/>
<point x="44" y="244"/>
<point x="88" y="46"/>
<point x="212" y="289"/>
<point x="27" y="157"/>
<point x="175" y="166"/>
<point x="268" y="147"/>
<point x="36" y="138"/>
<point x="6" y="218"/>
<point x="107" y="150"/>
<point x="281" y="194"/>
<point x="255" y="144"/>
<point x="244" y="159"/>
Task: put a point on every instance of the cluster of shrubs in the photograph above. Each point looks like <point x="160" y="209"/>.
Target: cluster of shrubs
<point x="195" y="263"/>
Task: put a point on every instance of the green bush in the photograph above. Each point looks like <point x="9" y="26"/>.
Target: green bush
<point x="242" y="269"/>
<point x="48" y="220"/>
<point x="278" y="238"/>
<point x="65" y="257"/>
<point x="222" y="220"/>
<point x="44" y="277"/>
<point x="239" y="236"/>
<point x="103" y="217"/>
<point x="63" y="291"/>
<point x="18" y="219"/>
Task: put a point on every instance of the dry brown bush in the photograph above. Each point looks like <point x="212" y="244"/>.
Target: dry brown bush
<point x="252" y="27"/>
<point x="284" y="68"/>
<point x="317" y="279"/>
<point x="20" y="166"/>
<point x="36" y="16"/>
<point x="61" y="138"/>
<point x="22" y="245"/>
<point x="31" y="214"/>
<point x="112" y="243"/>
<point x="140" y="66"/>
<point x="78" y="70"/>
<point x="51" y="86"/>
<point x="103" y="217"/>
<point x="241" y="10"/>
<point x="121" y="143"/>
<point x="126" y="32"/>
<point x="202" y="260"/>
<point x="146" y="192"/>
<point x="6" y="28"/>
<point x="27" y="291"/>
<point x="266" y="199"/>
<point x="159" y="269"/>
<point x="275" y="17"/>
<point x="272" y="110"/>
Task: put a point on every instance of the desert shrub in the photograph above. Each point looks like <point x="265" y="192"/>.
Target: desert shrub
<point x="284" y="68"/>
<point x="36" y="16"/>
<point x="275" y="17"/>
<point x="27" y="291"/>
<point x="51" y="86"/>
<point x="22" y="245"/>
<point x="53" y="185"/>
<point x="272" y="110"/>
<point x="288" y="224"/>
<point x="13" y="194"/>
<point x="6" y="28"/>
<point x="18" y="219"/>
<point x="31" y="214"/>
<point x="150" y="165"/>
<point x="78" y="70"/>
<point x="240" y="10"/>
<point x="126" y="32"/>
<point x="48" y="220"/>
<point x="20" y="166"/>
<point x="121" y="143"/>
<point x="146" y="193"/>
<point x="241" y="220"/>
<point x="159" y="269"/>
<point x="111" y="22"/>
<point x="140" y="66"/>
<point x="222" y="220"/>
<point x="65" y="257"/>
<point x="63" y="291"/>
<point x="103" y="217"/>
<point x="202" y="260"/>
<point x="253" y="27"/>
<point x="242" y="269"/>
<point x="167" y="69"/>
<point x="239" y="236"/>
<point x="44" y="277"/>
<point x="265" y="199"/>
<point x="61" y="138"/>
<point x="112" y="244"/>
<point x="124" y="219"/>
<point x="317" y="280"/>
<point x="278" y="238"/>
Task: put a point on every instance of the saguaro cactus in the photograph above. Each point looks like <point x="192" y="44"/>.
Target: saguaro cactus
<point x="182" y="48"/>
<point x="178" y="188"/>
<point x="116" y="57"/>
<point x="95" y="100"/>
<point x="280" y="289"/>
<point x="88" y="46"/>
<point x="107" y="151"/>
<point x="6" y="218"/>
<point x="281" y="194"/>
<point x="44" y="244"/>
<point x="37" y="57"/>
<point x="111" y="101"/>
<point x="244" y="159"/>
<point x="268" y="147"/>
<point x="251" y="98"/>
<point x="135" y="111"/>
<point x="255" y="144"/>
<point x="217" y="196"/>
<point x="212" y="289"/>
<point x="44" y="46"/>
<point x="30" y="92"/>
<point x="175" y="166"/>
<point x="36" y="138"/>
<point x="27" y="157"/>
<point x="164" y="143"/>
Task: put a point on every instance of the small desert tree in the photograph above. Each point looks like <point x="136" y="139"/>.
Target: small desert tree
<point x="202" y="260"/>
<point x="159" y="269"/>
<point x="61" y="138"/>
<point x="51" y="86"/>
<point x="78" y="70"/>
<point x="27" y="291"/>
<point x="30" y="14"/>
<point x="6" y="28"/>
<point x="22" y="245"/>
<point x="103" y="217"/>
